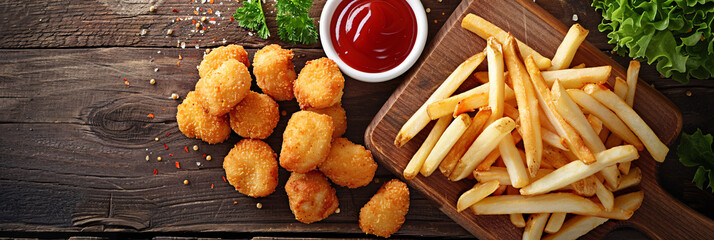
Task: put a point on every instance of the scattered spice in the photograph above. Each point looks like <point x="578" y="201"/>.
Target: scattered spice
<point x="168" y="133"/>
<point x="208" y="158"/>
<point x="126" y="83"/>
<point x="203" y="19"/>
<point x="259" y="205"/>
<point x="428" y="10"/>
<point x="232" y="19"/>
<point x="156" y="171"/>
<point x="337" y="210"/>
<point x="178" y="64"/>
<point x="185" y="148"/>
<point x="185" y="182"/>
<point x="224" y="179"/>
<point x="171" y="154"/>
<point x="211" y="185"/>
<point x="235" y="202"/>
<point x="167" y="147"/>
<point x="151" y="115"/>
<point x="147" y="157"/>
<point x="152" y="9"/>
<point x="156" y="139"/>
<point x="152" y="81"/>
<point x="178" y="165"/>
<point x="169" y="32"/>
<point x="204" y="155"/>
<point x="163" y="109"/>
<point x="688" y="93"/>
<point x="176" y="11"/>
<point x="195" y="147"/>
<point x="158" y="159"/>
<point x="180" y="58"/>
<point x="174" y="96"/>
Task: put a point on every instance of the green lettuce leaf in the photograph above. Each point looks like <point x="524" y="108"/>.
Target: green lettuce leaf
<point x="696" y="150"/>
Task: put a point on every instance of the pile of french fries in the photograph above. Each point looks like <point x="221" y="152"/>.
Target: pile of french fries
<point x="545" y="140"/>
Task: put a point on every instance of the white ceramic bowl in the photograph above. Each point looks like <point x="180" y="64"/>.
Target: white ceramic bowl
<point x="326" y="40"/>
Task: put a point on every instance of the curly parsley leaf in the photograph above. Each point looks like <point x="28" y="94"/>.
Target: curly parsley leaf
<point x="696" y="150"/>
<point x="676" y="34"/>
<point x="294" y="24"/>
<point x="251" y="16"/>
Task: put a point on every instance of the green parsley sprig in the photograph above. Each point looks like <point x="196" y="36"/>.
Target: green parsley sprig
<point x="251" y="16"/>
<point x="294" y="24"/>
<point x="696" y="150"/>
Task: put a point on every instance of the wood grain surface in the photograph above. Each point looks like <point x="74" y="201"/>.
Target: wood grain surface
<point x="660" y="216"/>
<point x="74" y="137"/>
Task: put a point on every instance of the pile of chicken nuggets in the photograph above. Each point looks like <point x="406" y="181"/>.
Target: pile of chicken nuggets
<point x="313" y="148"/>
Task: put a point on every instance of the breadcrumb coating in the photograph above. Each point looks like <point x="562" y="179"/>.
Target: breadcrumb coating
<point x="385" y="212"/>
<point x="255" y="116"/>
<point x="319" y="84"/>
<point x="224" y="87"/>
<point x="251" y="168"/>
<point x="274" y="72"/>
<point x="194" y="121"/>
<point x="339" y="118"/>
<point x="348" y="164"/>
<point x="310" y="196"/>
<point x="217" y="56"/>
<point x="306" y="141"/>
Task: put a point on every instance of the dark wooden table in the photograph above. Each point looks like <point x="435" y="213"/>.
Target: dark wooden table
<point x="75" y="135"/>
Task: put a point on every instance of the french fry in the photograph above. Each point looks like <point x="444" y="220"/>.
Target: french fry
<point x="576" y="227"/>
<point x="447" y="140"/>
<point x="458" y="150"/>
<point x="577" y="170"/>
<point x="420" y="118"/>
<point x="477" y="96"/>
<point x="484" y="144"/>
<point x="616" y="213"/>
<point x="500" y="190"/>
<point x="624" y="167"/>
<point x="475" y="194"/>
<point x="485" y="29"/>
<point x="473" y="102"/>
<point x="577" y="78"/>
<point x="566" y="51"/>
<point x="556" y="158"/>
<point x="633" y="178"/>
<point x="489" y="160"/>
<point x="574" y="141"/>
<point x="516" y="218"/>
<point x="552" y="202"/>
<point x="609" y="119"/>
<point x="514" y="164"/>
<point x="544" y="121"/>
<point x="620" y="88"/>
<point x="481" y="77"/>
<point x="496" y="98"/>
<point x="534" y="226"/>
<point x="553" y="139"/>
<point x="555" y="222"/>
<point x="501" y="175"/>
<point x="603" y="134"/>
<point x="630" y="201"/>
<point x="595" y="123"/>
<point x="655" y="147"/>
<point x="605" y="196"/>
<point x="579" y="66"/>
<point x="417" y="161"/>
<point x="527" y="106"/>
<point x="632" y="71"/>
<point x="572" y="114"/>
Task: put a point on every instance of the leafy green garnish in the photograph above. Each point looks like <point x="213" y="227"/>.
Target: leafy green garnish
<point x="696" y="150"/>
<point x="251" y="16"/>
<point x="677" y="34"/>
<point x="294" y="24"/>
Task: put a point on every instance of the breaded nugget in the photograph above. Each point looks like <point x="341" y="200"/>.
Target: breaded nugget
<point x="194" y="121"/>
<point x="306" y="141"/>
<point x="217" y="56"/>
<point x="348" y="164"/>
<point x="384" y="214"/>
<point x="311" y="197"/>
<point x="251" y="168"/>
<point x="319" y="84"/>
<point x="339" y="118"/>
<point x="255" y="117"/>
<point x="274" y="72"/>
<point x="224" y="87"/>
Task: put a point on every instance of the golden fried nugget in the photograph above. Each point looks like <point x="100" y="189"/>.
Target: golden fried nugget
<point x="384" y="214"/>
<point x="224" y="87"/>
<point x="306" y="141"/>
<point x="348" y="164"/>
<point x="255" y="117"/>
<point x="311" y="197"/>
<point x="338" y="115"/>
<point x="194" y="121"/>
<point x="217" y="56"/>
<point x="274" y="72"/>
<point x="251" y="168"/>
<point x="319" y="84"/>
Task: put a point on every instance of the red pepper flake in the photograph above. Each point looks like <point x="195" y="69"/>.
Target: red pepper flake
<point x="176" y="11"/>
<point x="178" y="19"/>
<point x="200" y="9"/>
<point x="180" y="58"/>
<point x="151" y="115"/>
<point x="168" y="133"/>
<point x="196" y="41"/>
<point x="195" y="12"/>
<point x="211" y="185"/>
<point x="191" y="73"/>
<point x="171" y="154"/>
<point x="224" y="179"/>
<point x="124" y="79"/>
<point x="213" y="19"/>
<point x="164" y="109"/>
<point x="204" y="155"/>
<point x="210" y="10"/>
<point x="178" y="165"/>
<point x="235" y="202"/>
<point x="204" y="28"/>
<point x="126" y="83"/>
<point x="185" y="148"/>
<point x="178" y="64"/>
<point x="155" y="171"/>
<point x="167" y="147"/>
<point x="194" y="21"/>
<point x="232" y="19"/>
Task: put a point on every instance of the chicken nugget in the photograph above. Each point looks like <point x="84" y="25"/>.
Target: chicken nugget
<point x="194" y="121"/>
<point x="319" y="84"/>
<point x="255" y="117"/>
<point x="311" y="197"/>
<point x="224" y="87"/>
<point x="348" y="164"/>
<point x="251" y="168"/>
<point x="306" y="141"/>
<point x="217" y="56"/>
<point x="384" y="214"/>
<point x="339" y="118"/>
<point x="274" y="72"/>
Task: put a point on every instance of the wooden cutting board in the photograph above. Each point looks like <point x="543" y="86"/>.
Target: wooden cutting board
<point x="660" y="216"/>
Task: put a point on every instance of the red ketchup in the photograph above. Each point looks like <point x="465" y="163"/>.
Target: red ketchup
<point x="373" y="35"/>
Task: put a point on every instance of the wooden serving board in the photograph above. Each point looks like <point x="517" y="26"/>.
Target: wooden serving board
<point x="660" y="217"/>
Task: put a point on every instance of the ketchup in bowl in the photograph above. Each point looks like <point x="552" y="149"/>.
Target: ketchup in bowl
<point x="373" y="35"/>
